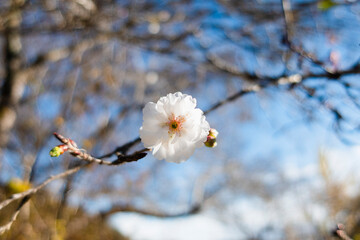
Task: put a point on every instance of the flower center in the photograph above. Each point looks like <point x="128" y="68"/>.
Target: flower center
<point x="175" y="124"/>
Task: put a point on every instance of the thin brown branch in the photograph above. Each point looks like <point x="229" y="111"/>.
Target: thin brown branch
<point x="233" y="97"/>
<point x="58" y="54"/>
<point x="74" y="150"/>
<point x="289" y="35"/>
<point x="7" y="226"/>
<point x="32" y="191"/>
<point x="14" y="82"/>
<point x="122" y="149"/>
<point x="127" y="208"/>
<point x="341" y="233"/>
<point x="25" y="196"/>
<point x="81" y="154"/>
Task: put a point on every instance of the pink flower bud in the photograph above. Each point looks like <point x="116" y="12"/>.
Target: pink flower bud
<point x="211" y="138"/>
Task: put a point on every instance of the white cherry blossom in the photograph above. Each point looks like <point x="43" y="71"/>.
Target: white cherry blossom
<point x="173" y="127"/>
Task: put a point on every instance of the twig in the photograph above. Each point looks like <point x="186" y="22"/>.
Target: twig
<point x="122" y="149"/>
<point x="7" y="226"/>
<point x="289" y="34"/>
<point x="340" y="232"/>
<point x="84" y="156"/>
<point x="127" y="208"/>
<point x="27" y="195"/>
<point x="13" y="81"/>
<point x="75" y="151"/>
<point x="81" y="154"/>
<point x="32" y="191"/>
<point x="233" y="97"/>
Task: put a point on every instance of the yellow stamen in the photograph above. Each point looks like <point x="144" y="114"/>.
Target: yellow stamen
<point x="175" y="124"/>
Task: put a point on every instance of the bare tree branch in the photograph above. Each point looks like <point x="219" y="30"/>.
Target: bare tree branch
<point x="7" y="226"/>
<point x="81" y="154"/>
<point x="341" y="233"/>
<point x="14" y="81"/>
<point x="32" y="191"/>
<point x="289" y="34"/>
<point x="127" y="208"/>
<point x="74" y="150"/>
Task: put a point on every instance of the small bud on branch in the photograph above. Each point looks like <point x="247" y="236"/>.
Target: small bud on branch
<point x="58" y="150"/>
<point x="211" y="138"/>
<point x="70" y="146"/>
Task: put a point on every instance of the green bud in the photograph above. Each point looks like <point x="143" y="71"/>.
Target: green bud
<point x="56" y="151"/>
<point x="211" y="138"/>
<point x="211" y="143"/>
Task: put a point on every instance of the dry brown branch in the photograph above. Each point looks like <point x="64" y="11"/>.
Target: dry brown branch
<point x="81" y="154"/>
<point x="122" y="149"/>
<point x="194" y="208"/>
<point x="32" y="191"/>
<point x="341" y="233"/>
<point x="75" y="151"/>
<point x="127" y="208"/>
<point x="289" y="35"/>
<point x="58" y="54"/>
<point x="233" y="97"/>
<point x="7" y="226"/>
<point x="27" y="195"/>
<point x="14" y="82"/>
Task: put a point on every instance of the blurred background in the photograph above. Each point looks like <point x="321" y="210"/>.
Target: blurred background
<point x="288" y="157"/>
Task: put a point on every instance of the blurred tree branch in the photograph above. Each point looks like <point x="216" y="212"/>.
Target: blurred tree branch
<point x="128" y="208"/>
<point x="341" y="233"/>
<point x="14" y="81"/>
<point x="25" y="196"/>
